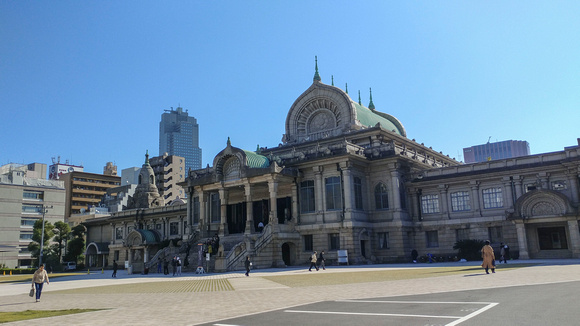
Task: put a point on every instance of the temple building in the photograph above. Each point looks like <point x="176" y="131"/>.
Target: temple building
<point x="347" y="180"/>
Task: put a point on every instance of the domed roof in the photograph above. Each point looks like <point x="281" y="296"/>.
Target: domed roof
<point x="325" y="111"/>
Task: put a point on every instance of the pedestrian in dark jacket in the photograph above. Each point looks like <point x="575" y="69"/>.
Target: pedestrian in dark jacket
<point x="115" y="267"/>
<point x="321" y="260"/>
<point x="248" y="263"/>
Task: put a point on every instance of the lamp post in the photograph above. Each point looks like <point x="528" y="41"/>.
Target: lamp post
<point x="44" y="211"/>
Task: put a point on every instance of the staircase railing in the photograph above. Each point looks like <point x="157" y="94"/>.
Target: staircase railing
<point x="232" y="259"/>
<point x="264" y="239"/>
<point x="167" y="250"/>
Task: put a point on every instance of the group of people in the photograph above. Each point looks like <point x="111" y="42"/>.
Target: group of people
<point x="317" y="261"/>
<point x="212" y="245"/>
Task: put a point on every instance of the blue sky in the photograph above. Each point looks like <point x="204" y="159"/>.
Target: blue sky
<point x="89" y="80"/>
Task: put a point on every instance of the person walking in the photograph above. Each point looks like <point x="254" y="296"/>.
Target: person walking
<point x="488" y="257"/>
<point x="313" y="260"/>
<point x="38" y="280"/>
<point x="159" y="266"/>
<point x="178" y="264"/>
<point x="501" y="252"/>
<point x="321" y="261"/>
<point x="248" y="263"/>
<point x="506" y="256"/>
<point x="165" y="266"/>
<point x="115" y="267"/>
<point x="174" y="265"/>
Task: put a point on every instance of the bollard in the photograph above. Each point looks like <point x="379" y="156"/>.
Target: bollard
<point x="10" y="273"/>
<point x="88" y="271"/>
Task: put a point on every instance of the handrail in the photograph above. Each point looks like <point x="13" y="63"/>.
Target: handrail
<point x="233" y="261"/>
<point x="263" y="239"/>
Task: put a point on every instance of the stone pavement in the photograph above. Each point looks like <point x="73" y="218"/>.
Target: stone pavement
<point x="194" y="299"/>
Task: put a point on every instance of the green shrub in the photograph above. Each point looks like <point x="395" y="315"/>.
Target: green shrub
<point x="469" y="249"/>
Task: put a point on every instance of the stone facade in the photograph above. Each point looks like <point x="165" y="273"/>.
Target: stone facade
<point x="347" y="180"/>
<point x="346" y="177"/>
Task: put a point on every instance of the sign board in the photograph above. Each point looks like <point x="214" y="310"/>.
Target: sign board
<point x="207" y="256"/>
<point x="342" y="256"/>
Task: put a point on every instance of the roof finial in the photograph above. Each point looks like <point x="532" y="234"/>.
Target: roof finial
<point x="332" y="76"/>
<point x="371" y="104"/>
<point x="229" y="143"/>
<point x="316" y="75"/>
<point x="359" y="101"/>
<point x="147" y="157"/>
<point x="346" y="90"/>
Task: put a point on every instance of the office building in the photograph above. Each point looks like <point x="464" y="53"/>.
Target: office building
<point x="179" y="135"/>
<point x="85" y="190"/>
<point x="169" y="171"/>
<point x="25" y="199"/>
<point x="57" y="168"/>
<point x="496" y="151"/>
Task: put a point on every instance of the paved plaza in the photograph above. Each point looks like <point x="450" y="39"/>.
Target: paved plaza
<point x="208" y="299"/>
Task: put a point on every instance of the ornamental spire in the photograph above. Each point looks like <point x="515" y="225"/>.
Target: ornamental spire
<point x="229" y="143"/>
<point x="147" y="157"/>
<point x="316" y="75"/>
<point x="359" y="101"/>
<point x="371" y="104"/>
<point x="346" y="90"/>
<point x="332" y="76"/>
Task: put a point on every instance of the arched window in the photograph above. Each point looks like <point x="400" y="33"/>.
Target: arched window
<point x="231" y="169"/>
<point x="381" y="197"/>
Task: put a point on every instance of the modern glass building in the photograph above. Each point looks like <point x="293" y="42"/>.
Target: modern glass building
<point x="496" y="151"/>
<point x="179" y="135"/>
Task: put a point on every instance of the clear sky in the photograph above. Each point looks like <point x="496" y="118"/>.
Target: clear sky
<point x="89" y="80"/>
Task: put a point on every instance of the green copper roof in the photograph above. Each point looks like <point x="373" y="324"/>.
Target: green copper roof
<point x="149" y="236"/>
<point x="254" y="160"/>
<point x="370" y="118"/>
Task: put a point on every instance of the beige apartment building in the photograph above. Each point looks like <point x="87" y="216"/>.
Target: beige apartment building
<point x="169" y="172"/>
<point x="26" y="196"/>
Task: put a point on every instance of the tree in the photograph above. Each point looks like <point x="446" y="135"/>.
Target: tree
<point x="62" y="231"/>
<point x="469" y="249"/>
<point x="76" y="246"/>
<point x="34" y="246"/>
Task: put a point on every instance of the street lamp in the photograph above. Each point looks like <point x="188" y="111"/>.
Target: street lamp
<point x="44" y="211"/>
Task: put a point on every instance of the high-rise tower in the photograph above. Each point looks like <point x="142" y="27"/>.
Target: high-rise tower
<point x="179" y="135"/>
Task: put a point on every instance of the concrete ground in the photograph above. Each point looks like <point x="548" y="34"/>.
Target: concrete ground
<point x="196" y="299"/>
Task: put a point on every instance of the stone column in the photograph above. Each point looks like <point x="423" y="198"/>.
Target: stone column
<point x="223" y="212"/>
<point x="348" y="191"/>
<point x="319" y="198"/>
<point x="574" y="237"/>
<point x="573" y="182"/>
<point x="114" y="233"/>
<point x="475" y="197"/>
<point x="518" y="186"/>
<point x="249" y="209"/>
<point x="444" y="204"/>
<point x="508" y="198"/>
<point x="273" y="189"/>
<point x="522" y="240"/>
<point x="415" y="202"/>
<point x="295" y="203"/>
<point x="395" y="194"/>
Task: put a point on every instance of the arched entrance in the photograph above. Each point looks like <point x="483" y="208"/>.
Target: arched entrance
<point x="287" y="253"/>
